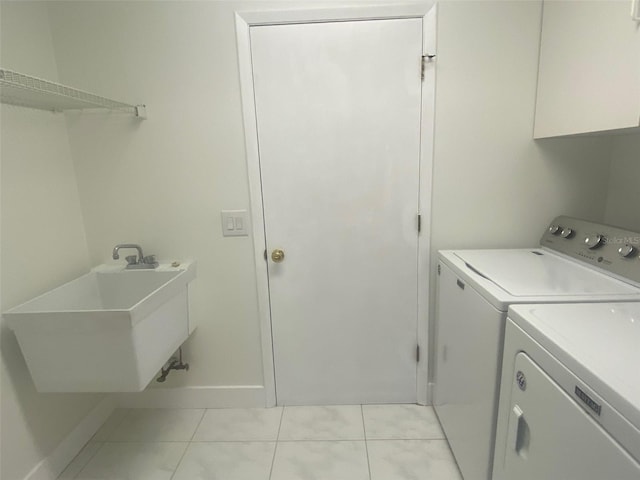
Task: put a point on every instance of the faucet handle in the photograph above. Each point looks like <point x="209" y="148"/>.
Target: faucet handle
<point x="131" y="259"/>
<point x="150" y="260"/>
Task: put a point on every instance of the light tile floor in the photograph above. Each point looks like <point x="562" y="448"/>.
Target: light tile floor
<point x="351" y="442"/>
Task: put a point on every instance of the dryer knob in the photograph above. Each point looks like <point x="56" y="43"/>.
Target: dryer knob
<point x="555" y="229"/>
<point x="594" y="240"/>
<point x="627" y="250"/>
<point x="567" y="233"/>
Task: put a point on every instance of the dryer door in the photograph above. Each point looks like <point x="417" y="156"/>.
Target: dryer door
<point x="550" y="436"/>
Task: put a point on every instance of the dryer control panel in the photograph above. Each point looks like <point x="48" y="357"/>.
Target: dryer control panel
<point x="612" y="249"/>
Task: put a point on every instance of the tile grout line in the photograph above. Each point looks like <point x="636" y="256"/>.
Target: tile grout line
<point x="175" y="470"/>
<point x="275" y="449"/>
<point x="305" y="440"/>
<point x="324" y="440"/>
<point x="117" y="426"/>
<point x="366" y="443"/>
<point x="88" y="461"/>
<point x="102" y="443"/>
<point x="147" y="441"/>
<point x="204" y="412"/>
<point x="410" y="439"/>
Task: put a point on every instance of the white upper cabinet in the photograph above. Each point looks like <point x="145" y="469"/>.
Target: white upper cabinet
<point x="589" y="75"/>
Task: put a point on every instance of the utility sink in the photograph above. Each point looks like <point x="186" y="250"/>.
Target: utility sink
<point x="110" y="330"/>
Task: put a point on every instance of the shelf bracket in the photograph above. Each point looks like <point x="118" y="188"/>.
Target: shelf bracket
<point x="140" y="111"/>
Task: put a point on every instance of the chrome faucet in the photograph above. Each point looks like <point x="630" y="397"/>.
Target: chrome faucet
<point x="117" y="248"/>
<point x="133" y="262"/>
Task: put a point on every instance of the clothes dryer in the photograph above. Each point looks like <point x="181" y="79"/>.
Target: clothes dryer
<point x="570" y="393"/>
<point x="577" y="262"/>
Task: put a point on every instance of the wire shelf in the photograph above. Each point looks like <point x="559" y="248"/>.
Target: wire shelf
<point x="27" y="91"/>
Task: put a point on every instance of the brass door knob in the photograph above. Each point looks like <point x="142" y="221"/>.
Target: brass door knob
<point x="277" y="255"/>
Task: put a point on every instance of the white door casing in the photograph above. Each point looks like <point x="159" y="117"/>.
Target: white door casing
<point x="330" y="251"/>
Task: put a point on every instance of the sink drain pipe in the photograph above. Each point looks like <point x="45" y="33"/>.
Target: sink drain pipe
<point x="174" y="364"/>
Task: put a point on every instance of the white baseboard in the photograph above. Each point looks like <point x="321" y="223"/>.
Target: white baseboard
<point x="431" y="386"/>
<point x="53" y="465"/>
<point x="242" y="396"/>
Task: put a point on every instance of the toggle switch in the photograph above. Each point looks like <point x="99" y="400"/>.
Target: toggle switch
<point x="235" y="223"/>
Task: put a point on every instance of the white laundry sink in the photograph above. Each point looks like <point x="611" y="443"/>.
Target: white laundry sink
<point x="110" y="330"/>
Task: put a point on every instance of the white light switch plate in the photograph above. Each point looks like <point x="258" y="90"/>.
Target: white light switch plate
<point x="235" y="223"/>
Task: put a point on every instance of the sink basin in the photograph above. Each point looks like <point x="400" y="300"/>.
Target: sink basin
<point x="109" y="330"/>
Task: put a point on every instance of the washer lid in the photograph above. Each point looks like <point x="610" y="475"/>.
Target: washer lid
<point x="536" y="272"/>
<point x="599" y="342"/>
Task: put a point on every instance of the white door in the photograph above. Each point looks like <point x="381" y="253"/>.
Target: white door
<point x="338" y="120"/>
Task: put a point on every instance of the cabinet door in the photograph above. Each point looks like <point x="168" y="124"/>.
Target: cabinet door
<point x="589" y="73"/>
<point x="469" y="333"/>
<point x="551" y="437"/>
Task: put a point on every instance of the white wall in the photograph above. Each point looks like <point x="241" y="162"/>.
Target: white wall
<point x="495" y="187"/>
<point x="623" y="201"/>
<point x="43" y="240"/>
<point x="162" y="182"/>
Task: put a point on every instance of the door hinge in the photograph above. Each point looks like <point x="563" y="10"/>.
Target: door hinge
<point x="425" y="58"/>
<point x="417" y="353"/>
<point x="439" y="269"/>
<point x="419" y="223"/>
<point x="265" y="254"/>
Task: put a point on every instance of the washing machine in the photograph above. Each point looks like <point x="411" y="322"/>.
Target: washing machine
<point x="577" y="261"/>
<point x="570" y="393"/>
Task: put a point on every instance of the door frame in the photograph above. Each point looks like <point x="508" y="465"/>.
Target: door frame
<point x="244" y="21"/>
